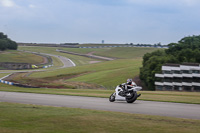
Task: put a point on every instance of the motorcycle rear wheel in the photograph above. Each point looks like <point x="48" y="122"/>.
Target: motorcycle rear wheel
<point x="132" y="98"/>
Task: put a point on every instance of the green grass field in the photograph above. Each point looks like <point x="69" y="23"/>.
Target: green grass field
<point x="121" y="53"/>
<point x="104" y="74"/>
<point x="83" y="50"/>
<point x="3" y="74"/>
<point x="20" y="57"/>
<point x="20" y="118"/>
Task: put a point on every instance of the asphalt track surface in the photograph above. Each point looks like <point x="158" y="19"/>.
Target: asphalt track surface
<point x="179" y="110"/>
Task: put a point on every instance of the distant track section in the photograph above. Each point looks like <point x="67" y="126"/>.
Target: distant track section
<point x="86" y="55"/>
<point x="66" y="63"/>
<point x="115" y="46"/>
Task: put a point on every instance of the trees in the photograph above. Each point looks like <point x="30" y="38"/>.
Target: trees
<point x="3" y="44"/>
<point x="2" y="36"/>
<point x="6" y="43"/>
<point x="152" y="63"/>
<point x="186" y="50"/>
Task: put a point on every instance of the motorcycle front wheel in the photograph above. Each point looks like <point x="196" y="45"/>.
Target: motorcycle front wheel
<point x="112" y="97"/>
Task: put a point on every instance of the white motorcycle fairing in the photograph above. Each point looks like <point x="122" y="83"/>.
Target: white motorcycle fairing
<point x="118" y="90"/>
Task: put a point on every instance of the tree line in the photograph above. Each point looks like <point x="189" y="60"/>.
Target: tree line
<point x="186" y="50"/>
<point x="6" y="43"/>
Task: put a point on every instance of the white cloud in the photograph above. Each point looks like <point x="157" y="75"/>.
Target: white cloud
<point x="191" y="2"/>
<point x="32" y="6"/>
<point x="168" y="2"/>
<point x="7" y="3"/>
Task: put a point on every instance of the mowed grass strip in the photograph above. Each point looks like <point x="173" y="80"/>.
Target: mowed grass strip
<point x="126" y="52"/>
<point x="3" y="74"/>
<point x="74" y="92"/>
<point x="18" y="118"/>
<point x="164" y="96"/>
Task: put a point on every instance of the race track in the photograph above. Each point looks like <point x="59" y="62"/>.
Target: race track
<point x="179" y="110"/>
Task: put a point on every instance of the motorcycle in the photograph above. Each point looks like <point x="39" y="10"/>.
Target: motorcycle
<point x="130" y="95"/>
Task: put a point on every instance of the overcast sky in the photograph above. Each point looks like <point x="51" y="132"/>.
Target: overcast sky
<point x="91" y="21"/>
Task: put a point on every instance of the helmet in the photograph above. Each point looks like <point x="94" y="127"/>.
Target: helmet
<point x="129" y="80"/>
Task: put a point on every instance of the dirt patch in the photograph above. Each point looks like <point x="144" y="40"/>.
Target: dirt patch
<point x="83" y="85"/>
<point x="66" y="76"/>
<point x="15" y="75"/>
<point x="91" y="53"/>
<point x="59" y="84"/>
<point x="58" y="81"/>
<point x="92" y="62"/>
<point x="45" y="60"/>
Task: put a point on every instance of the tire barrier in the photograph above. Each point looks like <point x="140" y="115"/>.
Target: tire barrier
<point x="24" y="86"/>
<point x="17" y="84"/>
<point x="47" y="66"/>
<point x="6" y="82"/>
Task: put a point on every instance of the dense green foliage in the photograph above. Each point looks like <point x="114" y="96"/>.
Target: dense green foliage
<point x="186" y="50"/>
<point x="6" y="43"/>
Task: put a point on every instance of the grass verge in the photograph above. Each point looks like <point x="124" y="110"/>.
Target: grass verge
<point x="21" y="118"/>
<point x="121" y="53"/>
<point x="3" y="74"/>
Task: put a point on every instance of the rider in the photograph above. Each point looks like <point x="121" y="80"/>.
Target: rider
<point x="128" y="85"/>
